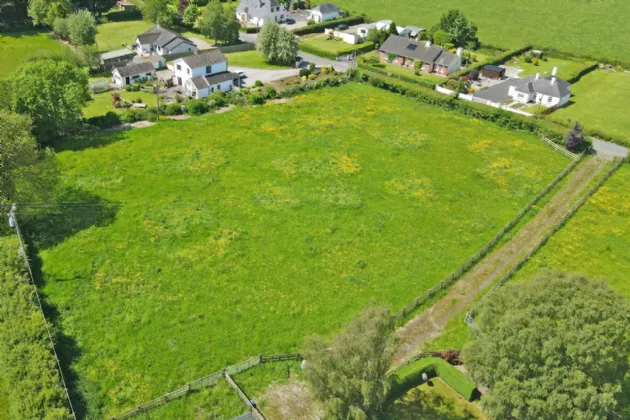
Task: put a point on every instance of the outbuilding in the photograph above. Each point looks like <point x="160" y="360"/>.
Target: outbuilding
<point x="116" y="58"/>
<point x="493" y="72"/>
<point x="132" y="73"/>
<point x="324" y="12"/>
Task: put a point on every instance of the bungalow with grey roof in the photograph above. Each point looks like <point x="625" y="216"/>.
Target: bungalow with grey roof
<point x="405" y="52"/>
<point x="162" y="41"/>
<point x="132" y="73"/>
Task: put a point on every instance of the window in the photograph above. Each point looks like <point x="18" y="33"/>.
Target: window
<point x="179" y="67"/>
<point x="188" y="71"/>
<point x="549" y="99"/>
<point x="208" y="69"/>
<point x="148" y="74"/>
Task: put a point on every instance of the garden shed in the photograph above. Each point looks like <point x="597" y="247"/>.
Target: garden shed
<point x="493" y="72"/>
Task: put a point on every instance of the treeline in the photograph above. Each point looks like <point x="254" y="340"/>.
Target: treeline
<point x="28" y="371"/>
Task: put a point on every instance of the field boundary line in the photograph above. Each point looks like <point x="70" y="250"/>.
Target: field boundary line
<point x="574" y="208"/>
<point x="14" y="222"/>
<point x="558" y="148"/>
<point x="207" y="381"/>
<point x="253" y="409"/>
<point x="464" y="268"/>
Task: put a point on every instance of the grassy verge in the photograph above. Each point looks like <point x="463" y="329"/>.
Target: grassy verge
<point x="252" y="59"/>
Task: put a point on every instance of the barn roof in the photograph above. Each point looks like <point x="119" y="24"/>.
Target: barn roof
<point x="133" y="69"/>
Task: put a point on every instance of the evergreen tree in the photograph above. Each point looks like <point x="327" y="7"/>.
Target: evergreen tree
<point x="575" y="139"/>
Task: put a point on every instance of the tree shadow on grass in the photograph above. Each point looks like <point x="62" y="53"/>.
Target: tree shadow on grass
<point x="419" y="403"/>
<point x="88" y="140"/>
<point x="44" y="227"/>
<point x="74" y="210"/>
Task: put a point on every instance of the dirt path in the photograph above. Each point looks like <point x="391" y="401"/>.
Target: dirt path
<point x="430" y="323"/>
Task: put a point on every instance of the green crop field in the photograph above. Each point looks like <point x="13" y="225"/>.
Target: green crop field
<point x="241" y="233"/>
<point x="16" y="47"/>
<point x="579" y="26"/>
<point x="600" y="102"/>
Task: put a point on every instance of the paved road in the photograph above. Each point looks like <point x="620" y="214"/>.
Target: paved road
<point x="610" y="149"/>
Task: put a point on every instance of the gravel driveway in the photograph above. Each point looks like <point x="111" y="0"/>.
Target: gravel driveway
<point x="251" y="75"/>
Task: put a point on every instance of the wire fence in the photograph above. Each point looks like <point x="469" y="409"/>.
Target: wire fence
<point x="208" y="381"/>
<point x="15" y="224"/>
<point x="464" y="268"/>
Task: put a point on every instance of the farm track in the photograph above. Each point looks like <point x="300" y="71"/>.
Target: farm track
<point x="430" y="323"/>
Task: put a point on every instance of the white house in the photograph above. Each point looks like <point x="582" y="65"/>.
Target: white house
<point x="132" y="73"/>
<point x="347" y="36"/>
<point x="162" y="41"/>
<point x="548" y="91"/>
<point x="324" y="12"/>
<point x="258" y="12"/>
<point x="204" y="73"/>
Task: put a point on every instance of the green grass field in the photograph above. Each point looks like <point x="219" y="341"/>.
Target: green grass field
<point x="574" y="26"/>
<point x="599" y="101"/>
<point x="252" y="59"/>
<point x="113" y="35"/>
<point x="433" y="402"/>
<point x="566" y="68"/>
<point x="16" y="47"/>
<point x="102" y="103"/>
<point x="241" y="233"/>
<point x="321" y="42"/>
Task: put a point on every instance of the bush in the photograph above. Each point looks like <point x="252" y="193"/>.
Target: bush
<point x="258" y="83"/>
<point x="270" y="92"/>
<point x="449" y="45"/>
<point x="132" y="115"/>
<point x="255" y="99"/>
<point x="128" y="88"/>
<point x="60" y="26"/>
<point x="110" y="119"/>
<point x="312" y="76"/>
<point x="136" y="87"/>
<point x="174" y="109"/>
<point x="304" y="72"/>
<point x="179" y="98"/>
<point x="219" y="99"/>
<point x="196" y="107"/>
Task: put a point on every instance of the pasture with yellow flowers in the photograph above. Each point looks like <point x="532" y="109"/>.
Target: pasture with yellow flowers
<point x="210" y="240"/>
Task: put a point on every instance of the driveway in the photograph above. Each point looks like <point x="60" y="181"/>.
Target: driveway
<point x="607" y="149"/>
<point x="251" y="75"/>
<point x="319" y="62"/>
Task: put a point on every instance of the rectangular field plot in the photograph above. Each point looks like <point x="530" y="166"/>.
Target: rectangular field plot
<point x="241" y="233"/>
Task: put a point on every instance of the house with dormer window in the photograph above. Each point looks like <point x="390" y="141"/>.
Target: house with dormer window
<point x="259" y="12"/>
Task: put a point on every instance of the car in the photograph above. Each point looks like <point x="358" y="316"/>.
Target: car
<point x="290" y="21"/>
<point x="342" y="27"/>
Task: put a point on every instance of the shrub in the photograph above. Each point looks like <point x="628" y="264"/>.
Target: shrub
<point x="60" y="26"/>
<point x="270" y="92"/>
<point x="536" y="62"/>
<point x="325" y="69"/>
<point x="474" y="74"/>
<point x="128" y="117"/>
<point x="258" y="83"/>
<point x="196" y="107"/>
<point x="304" y="78"/>
<point x="311" y="66"/>
<point x="451" y="84"/>
<point x="128" y="88"/>
<point x="219" y="99"/>
<point x="449" y="45"/>
<point x="110" y="119"/>
<point x="179" y="98"/>
<point x="255" y="99"/>
<point x="139" y="100"/>
<point x="174" y="109"/>
<point x="304" y="72"/>
<point x="391" y="57"/>
<point x="136" y="87"/>
<point x="312" y="76"/>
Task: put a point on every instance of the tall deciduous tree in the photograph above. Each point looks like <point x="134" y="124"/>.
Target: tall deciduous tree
<point x="53" y="93"/>
<point x="82" y="27"/>
<point x="441" y="37"/>
<point x="162" y="12"/>
<point x="277" y="44"/>
<point x="347" y="373"/>
<point x="219" y="23"/>
<point x="44" y="12"/>
<point x="553" y="348"/>
<point x="461" y="32"/>
<point x="28" y="172"/>
<point x="575" y="139"/>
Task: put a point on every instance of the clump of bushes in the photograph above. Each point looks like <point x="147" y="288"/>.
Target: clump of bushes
<point x="258" y="83"/>
<point x="304" y="72"/>
<point x="127" y="88"/>
<point x="270" y="92"/>
<point x="136" y="87"/>
<point x="174" y="109"/>
<point x="255" y="99"/>
<point x="197" y="107"/>
<point x="132" y="115"/>
<point x="312" y="76"/>
<point x="110" y="119"/>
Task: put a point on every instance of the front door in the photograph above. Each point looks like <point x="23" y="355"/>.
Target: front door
<point x="127" y="80"/>
<point x="179" y="81"/>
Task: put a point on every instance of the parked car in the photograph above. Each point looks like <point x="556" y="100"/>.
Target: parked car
<point x="342" y="27"/>
<point x="290" y="21"/>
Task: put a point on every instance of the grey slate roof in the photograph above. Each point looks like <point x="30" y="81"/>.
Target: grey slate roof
<point x="411" y="49"/>
<point x="446" y="58"/>
<point x="133" y="69"/>
<point x="543" y="85"/>
<point x="326" y="8"/>
<point x="499" y="93"/>
<point x="124" y="52"/>
<point x="253" y="6"/>
<point x="161" y="36"/>
<point x="202" y="82"/>
<point x="206" y="58"/>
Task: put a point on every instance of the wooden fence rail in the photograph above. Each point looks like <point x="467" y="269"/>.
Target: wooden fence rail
<point x="559" y="148"/>
<point x="455" y="275"/>
<point x="254" y="410"/>
<point x="207" y="381"/>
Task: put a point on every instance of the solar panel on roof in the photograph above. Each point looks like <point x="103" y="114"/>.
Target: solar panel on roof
<point x="412" y="47"/>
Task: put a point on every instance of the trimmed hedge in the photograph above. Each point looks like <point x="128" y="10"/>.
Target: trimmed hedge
<point x="321" y="27"/>
<point x="586" y="70"/>
<point x="498" y="116"/>
<point x="249" y="29"/>
<point x="410" y="376"/>
<point x="110" y="119"/>
<point x="417" y="80"/>
<point x="361" y="48"/>
<point x="27" y="363"/>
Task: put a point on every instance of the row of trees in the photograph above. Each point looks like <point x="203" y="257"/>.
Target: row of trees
<point x="554" y="348"/>
<point x="79" y="27"/>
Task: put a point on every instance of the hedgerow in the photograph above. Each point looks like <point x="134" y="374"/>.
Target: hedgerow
<point x="332" y="55"/>
<point x="27" y="365"/>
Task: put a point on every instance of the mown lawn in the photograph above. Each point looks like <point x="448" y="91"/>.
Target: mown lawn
<point x="600" y="102"/>
<point x="251" y="59"/>
<point x="576" y="26"/>
<point x="102" y="103"/>
<point x="113" y="35"/>
<point x="403" y="71"/>
<point x="241" y="233"/>
<point x="566" y="68"/>
<point x="321" y="42"/>
<point x="16" y="47"/>
<point x="437" y="401"/>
